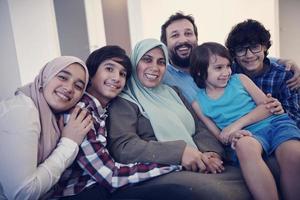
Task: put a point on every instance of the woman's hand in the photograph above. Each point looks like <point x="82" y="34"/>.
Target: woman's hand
<point x="193" y="160"/>
<point x="215" y="163"/>
<point x="273" y="105"/>
<point x="78" y="126"/>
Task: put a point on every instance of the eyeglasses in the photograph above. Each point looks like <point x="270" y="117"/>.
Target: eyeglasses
<point x="242" y="51"/>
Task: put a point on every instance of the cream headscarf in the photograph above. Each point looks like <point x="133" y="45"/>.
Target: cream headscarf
<point x="169" y="117"/>
<point x="50" y="132"/>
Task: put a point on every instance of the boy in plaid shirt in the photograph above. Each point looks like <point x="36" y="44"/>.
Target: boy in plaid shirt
<point x="248" y="43"/>
<point x="109" y="68"/>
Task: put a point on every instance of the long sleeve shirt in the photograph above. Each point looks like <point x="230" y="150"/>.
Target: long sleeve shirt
<point x="95" y="165"/>
<point x="134" y="139"/>
<point x="21" y="177"/>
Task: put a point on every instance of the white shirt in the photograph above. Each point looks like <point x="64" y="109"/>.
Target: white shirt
<point x="20" y="176"/>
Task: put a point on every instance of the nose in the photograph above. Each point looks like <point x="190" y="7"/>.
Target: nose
<point x="155" y="66"/>
<point x="182" y="39"/>
<point x="227" y="71"/>
<point x="69" y="87"/>
<point x="116" y="77"/>
<point x="249" y="53"/>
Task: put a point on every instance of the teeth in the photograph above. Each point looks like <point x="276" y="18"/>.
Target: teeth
<point x="64" y="97"/>
<point x="183" y="48"/>
<point x="151" y="76"/>
<point x="111" y="86"/>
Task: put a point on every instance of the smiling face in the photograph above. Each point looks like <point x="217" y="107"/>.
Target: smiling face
<point x="218" y="72"/>
<point x="65" y="89"/>
<point x="108" y="81"/>
<point x="181" y="39"/>
<point x="151" y="68"/>
<point x="251" y="62"/>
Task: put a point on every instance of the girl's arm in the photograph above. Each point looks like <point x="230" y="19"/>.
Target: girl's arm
<point x="208" y="122"/>
<point x="257" y="114"/>
<point x="20" y="174"/>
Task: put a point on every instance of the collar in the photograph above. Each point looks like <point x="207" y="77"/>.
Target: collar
<point x="171" y="67"/>
<point x="98" y="104"/>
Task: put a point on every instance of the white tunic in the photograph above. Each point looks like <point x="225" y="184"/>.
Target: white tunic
<point x="20" y="175"/>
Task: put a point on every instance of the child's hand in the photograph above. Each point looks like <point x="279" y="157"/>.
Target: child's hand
<point x="215" y="163"/>
<point x="234" y="137"/>
<point x="273" y="105"/>
<point x="227" y="131"/>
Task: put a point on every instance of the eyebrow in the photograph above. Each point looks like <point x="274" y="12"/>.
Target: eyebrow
<point x="70" y="74"/>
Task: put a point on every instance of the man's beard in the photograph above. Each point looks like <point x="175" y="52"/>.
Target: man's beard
<point x="177" y="60"/>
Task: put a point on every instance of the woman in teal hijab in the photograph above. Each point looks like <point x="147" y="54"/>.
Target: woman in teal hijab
<point x="170" y="123"/>
<point x="158" y="102"/>
<point x="152" y="122"/>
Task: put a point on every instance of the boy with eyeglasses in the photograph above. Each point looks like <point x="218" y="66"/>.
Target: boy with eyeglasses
<point x="248" y="43"/>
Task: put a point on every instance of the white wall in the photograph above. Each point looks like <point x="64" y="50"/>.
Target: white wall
<point x="214" y="18"/>
<point x="95" y="24"/>
<point x="289" y="13"/>
<point x="29" y="38"/>
<point x="35" y="35"/>
<point x="9" y="71"/>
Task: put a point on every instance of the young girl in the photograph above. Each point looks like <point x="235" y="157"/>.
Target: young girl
<point x="34" y="149"/>
<point x="232" y="106"/>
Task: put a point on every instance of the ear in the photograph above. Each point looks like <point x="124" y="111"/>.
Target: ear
<point x="264" y="48"/>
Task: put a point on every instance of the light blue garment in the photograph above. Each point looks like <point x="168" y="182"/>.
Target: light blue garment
<point x="169" y="117"/>
<point x="182" y="80"/>
<point x="231" y="106"/>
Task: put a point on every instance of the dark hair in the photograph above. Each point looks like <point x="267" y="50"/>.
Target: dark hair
<point x="113" y="52"/>
<point x="175" y="17"/>
<point x="200" y="58"/>
<point x="248" y="32"/>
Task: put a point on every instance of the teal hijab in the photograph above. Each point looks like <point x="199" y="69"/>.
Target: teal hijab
<point x="168" y="116"/>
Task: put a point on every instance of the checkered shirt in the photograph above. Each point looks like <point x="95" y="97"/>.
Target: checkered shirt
<point x="273" y="80"/>
<point x="94" y="164"/>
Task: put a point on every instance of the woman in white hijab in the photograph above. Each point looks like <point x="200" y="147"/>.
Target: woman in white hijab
<point x="35" y="147"/>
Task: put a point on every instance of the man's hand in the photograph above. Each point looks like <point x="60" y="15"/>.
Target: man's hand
<point x="294" y="82"/>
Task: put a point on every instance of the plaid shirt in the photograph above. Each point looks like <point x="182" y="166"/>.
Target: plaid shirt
<point x="273" y="80"/>
<point x="94" y="164"/>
